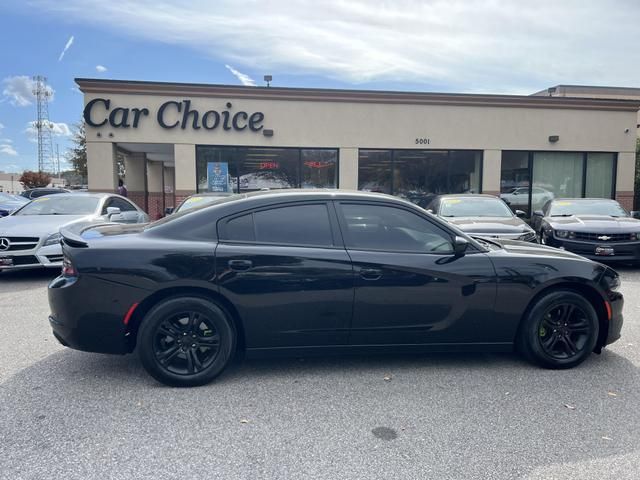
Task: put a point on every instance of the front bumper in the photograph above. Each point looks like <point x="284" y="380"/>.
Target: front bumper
<point x="615" y="324"/>
<point x="42" y="257"/>
<point x="87" y="313"/>
<point x="623" y="251"/>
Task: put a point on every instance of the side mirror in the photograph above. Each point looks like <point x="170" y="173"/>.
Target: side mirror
<point x="635" y="214"/>
<point x="168" y="210"/>
<point x="460" y="245"/>
<point x="520" y="213"/>
<point x="538" y="213"/>
<point x="111" y="211"/>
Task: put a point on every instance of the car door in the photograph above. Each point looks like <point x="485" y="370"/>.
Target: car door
<point x="409" y="286"/>
<point x="287" y="272"/>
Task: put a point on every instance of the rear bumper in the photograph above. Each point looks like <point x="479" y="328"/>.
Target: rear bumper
<point x="87" y="313"/>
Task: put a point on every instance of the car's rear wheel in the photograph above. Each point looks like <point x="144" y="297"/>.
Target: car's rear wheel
<point x="559" y="331"/>
<point x="186" y="341"/>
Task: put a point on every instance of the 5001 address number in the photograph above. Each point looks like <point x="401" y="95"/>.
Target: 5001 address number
<point x="423" y="141"/>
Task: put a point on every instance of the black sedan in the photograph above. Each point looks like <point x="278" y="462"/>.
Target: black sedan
<point x="595" y="228"/>
<point x="483" y="216"/>
<point x="298" y="272"/>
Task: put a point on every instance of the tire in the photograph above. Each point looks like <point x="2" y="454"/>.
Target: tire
<point x="559" y="331"/>
<point x="186" y="341"/>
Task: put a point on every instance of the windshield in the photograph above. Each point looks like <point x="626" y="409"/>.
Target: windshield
<point x="60" y="205"/>
<point x="474" y="207"/>
<point x="564" y="208"/>
<point x="197" y="201"/>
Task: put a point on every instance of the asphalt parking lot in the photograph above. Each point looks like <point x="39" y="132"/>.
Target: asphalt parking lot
<point x="74" y="415"/>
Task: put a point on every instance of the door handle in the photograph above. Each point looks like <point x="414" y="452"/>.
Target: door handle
<point x="240" y="265"/>
<point x="370" y="273"/>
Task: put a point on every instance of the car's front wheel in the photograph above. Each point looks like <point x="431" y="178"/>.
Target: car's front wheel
<point x="186" y="341"/>
<point x="559" y="331"/>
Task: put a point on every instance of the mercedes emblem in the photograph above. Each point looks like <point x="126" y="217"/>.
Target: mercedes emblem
<point x="4" y="243"/>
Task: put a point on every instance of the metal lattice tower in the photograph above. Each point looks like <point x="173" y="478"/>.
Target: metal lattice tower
<point x="46" y="162"/>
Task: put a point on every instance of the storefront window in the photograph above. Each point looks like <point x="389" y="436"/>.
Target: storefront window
<point x="515" y="181"/>
<point x="600" y="169"/>
<point x="419" y="175"/>
<point x="319" y="168"/>
<point x="243" y="169"/>
<point x="555" y="174"/>
<point x="374" y="171"/>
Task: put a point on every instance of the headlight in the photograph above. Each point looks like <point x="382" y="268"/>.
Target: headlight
<point x="52" y="240"/>
<point x="564" y="234"/>
<point x="527" y="236"/>
<point x="611" y="280"/>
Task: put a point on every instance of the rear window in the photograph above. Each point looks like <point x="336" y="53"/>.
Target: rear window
<point x="303" y="225"/>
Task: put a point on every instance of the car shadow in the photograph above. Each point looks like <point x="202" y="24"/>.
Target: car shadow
<point x="490" y="415"/>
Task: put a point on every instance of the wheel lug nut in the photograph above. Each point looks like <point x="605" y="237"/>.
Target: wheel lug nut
<point x="193" y="345"/>
<point x="194" y="336"/>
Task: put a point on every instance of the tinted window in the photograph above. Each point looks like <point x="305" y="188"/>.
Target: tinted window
<point x="377" y="227"/>
<point x="296" y="225"/>
<point x="240" y="229"/>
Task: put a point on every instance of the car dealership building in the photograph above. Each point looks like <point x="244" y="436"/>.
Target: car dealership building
<point x="170" y="140"/>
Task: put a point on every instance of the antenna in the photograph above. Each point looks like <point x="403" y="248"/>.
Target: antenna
<point x="43" y="125"/>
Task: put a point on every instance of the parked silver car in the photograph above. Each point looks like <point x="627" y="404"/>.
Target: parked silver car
<point x="30" y="238"/>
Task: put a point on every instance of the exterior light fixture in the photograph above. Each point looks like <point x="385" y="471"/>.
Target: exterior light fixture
<point x="554" y="138"/>
<point x="267" y="132"/>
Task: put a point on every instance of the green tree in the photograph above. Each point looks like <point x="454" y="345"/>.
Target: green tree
<point x="77" y="155"/>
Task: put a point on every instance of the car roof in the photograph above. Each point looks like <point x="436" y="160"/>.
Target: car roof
<point x="467" y="195"/>
<point x="584" y="199"/>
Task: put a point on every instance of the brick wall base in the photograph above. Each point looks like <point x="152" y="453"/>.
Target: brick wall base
<point x="155" y="205"/>
<point x="139" y="198"/>
<point x="625" y="198"/>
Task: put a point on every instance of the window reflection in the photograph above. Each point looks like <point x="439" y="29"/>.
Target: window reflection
<point x="419" y="175"/>
<point x="248" y="169"/>
<point x="374" y="171"/>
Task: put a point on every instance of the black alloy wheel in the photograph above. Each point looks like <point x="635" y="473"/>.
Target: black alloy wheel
<point x="560" y="330"/>
<point x="564" y="331"/>
<point x="186" y="341"/>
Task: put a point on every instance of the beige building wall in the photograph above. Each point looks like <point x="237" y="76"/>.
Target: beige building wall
<point x="350" y="121"/>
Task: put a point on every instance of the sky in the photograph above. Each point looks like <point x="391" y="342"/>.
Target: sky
<point x="466" y="46"/>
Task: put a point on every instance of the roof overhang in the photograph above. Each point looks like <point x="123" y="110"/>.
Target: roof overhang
<point x="132" y="87"/>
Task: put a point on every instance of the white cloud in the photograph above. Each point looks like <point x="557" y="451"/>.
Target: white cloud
<point x="67" y="46"/>
<point x="57" y="130"/>
<point x="245" y="79"/>
<point x="1" y="126"/>
<point x="469" y="45"/>
<point x="19" y="90"/>
<point x="7" y="149"/>
<point x="101" y="68"/>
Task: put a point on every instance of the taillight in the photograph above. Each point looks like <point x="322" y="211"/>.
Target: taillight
<point x="68" y="270"/>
